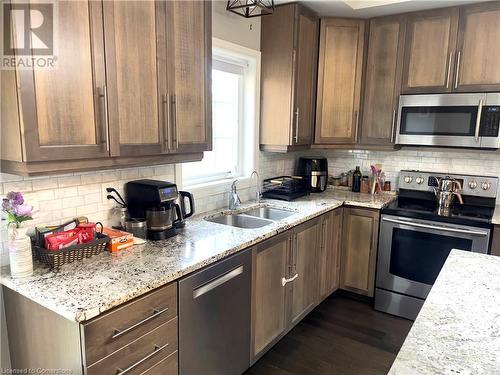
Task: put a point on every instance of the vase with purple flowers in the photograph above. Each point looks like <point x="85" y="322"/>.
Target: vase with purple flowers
<point x="19" y="244"/>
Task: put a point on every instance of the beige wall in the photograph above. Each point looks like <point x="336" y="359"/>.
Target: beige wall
<point x="233" y="28"/>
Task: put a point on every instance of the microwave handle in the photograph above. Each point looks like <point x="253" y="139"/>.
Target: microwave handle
<point x="478" y="119"/>
<point x="437" y="227"/>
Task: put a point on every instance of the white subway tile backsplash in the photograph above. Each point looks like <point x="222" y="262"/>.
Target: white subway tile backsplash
<point x="62" y="197"/>
<point x="66" y="181"/>
<point x="66" y="192"/>
<point x="24" y="186"/>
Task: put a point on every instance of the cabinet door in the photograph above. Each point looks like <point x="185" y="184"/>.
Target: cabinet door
<point x="479" y="38"/>
<point x="304" y="266"/>
<point x="190" y="75"/>
<point x="277" y="45"/>
<point x="269" y="296"/>
<point x="430" y="51"/>
<point x="63" y="109"/>
<point x="306" y="55"/>
<point x="135" y="78"/>
<point x="330" y="253"/>
<point x="339" y="80"/>
<point x="359" y="250"/>
<point x="383" y="80"/>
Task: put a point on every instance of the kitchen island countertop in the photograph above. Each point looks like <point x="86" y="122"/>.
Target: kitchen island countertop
<point x="82" y="290"/>
<point x="458" y="329"/>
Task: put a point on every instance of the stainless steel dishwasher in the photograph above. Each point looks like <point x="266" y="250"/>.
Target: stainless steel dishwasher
<point x="214" y="318"/>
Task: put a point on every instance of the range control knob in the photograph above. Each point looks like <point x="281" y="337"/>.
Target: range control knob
<point x="485" y="185"/>
<point x="419" y="180"/>
<point x="408" y="179"/>
<point x="472" y="185"/>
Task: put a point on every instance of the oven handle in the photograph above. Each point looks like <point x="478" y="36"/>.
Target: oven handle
<point x="454" y="230"/>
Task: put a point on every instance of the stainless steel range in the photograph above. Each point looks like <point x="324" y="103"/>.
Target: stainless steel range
<point x="416" y="235"/>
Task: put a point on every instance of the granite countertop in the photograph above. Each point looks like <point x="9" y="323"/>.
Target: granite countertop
<point x="458" y="329"/>
<point x="496" y="216"/>
<point x="82" y="290"/>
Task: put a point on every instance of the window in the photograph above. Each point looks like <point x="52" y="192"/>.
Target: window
<point x="233" y="120"/>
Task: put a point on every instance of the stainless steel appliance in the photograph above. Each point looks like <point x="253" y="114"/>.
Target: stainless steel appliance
<point x="214" y="318"/>
<point x="316" y="170"/>
<point x="154" y="201"/>
<point x="449" y="120"/>
<point x="448" y="188"/>
<point x="416" y="236"/>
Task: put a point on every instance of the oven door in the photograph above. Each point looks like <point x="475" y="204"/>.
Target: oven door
<point x="412" y="251"/>
<point x="441" y="120"/>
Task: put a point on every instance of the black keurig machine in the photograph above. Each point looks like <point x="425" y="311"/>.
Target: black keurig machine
<point x="154" y="201"/>
<point x="316" y="171"/>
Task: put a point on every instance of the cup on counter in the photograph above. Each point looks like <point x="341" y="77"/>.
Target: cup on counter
<point x="137" y="227"/>
<point x="365" y="185"/>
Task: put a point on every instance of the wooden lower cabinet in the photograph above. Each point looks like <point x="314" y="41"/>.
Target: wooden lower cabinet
<point x="359" y="250"/>
<point x="269" y="296"/>
<point x="138" y="337"/>
<point x="331" y="240"/>
<point x="285" y="283"/>
<point x="304" y="266"/>
<point x="495" y="242"/>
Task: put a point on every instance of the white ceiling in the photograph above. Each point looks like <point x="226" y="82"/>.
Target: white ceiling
<point x="373" y="8"/>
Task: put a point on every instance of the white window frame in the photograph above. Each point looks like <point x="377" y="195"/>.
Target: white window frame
<point x="249" y="129"/>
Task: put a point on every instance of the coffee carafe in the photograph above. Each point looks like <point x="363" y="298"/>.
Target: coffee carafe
<point x="154" y="201"/>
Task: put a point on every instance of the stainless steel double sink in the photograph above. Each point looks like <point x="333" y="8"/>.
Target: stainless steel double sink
<point x="252" y="218"/>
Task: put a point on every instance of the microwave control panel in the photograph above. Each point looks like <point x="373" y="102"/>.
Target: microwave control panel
<point x="490" y="121"/>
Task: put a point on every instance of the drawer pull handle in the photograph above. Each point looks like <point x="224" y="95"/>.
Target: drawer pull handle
<point x="117" y="332"/>
<point x="131" y="367"/>
<point x="285" y="281"/>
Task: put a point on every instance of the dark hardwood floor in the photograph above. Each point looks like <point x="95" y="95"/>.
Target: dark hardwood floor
<point x="340" y="336"/>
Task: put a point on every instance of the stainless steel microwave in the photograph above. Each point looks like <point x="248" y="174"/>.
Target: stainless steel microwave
<point x="449" y="120"/>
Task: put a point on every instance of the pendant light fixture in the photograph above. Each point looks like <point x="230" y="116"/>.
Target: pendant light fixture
<point x="251" y="8"/>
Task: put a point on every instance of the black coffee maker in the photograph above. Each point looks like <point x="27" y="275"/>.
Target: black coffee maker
<point x="154" y="201"/>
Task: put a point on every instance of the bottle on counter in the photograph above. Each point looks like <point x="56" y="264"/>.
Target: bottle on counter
<point x="356" y="180"/>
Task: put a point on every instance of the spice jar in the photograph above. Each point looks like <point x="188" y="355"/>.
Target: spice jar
<point x="365" y="184"/>
<point x="387" y="186"/>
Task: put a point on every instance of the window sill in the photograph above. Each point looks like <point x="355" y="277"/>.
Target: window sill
<point x="207" y="189"/>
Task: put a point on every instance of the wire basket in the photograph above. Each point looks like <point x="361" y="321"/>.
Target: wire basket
<point x="57" y="258"/>
<point x="285" y="187"/>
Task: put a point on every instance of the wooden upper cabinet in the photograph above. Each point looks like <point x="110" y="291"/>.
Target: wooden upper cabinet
<point x="189" y="43"/>
<point x="63" y="111"/>
<point x="339" y="80"/>
<point x="478" y="42"/>
<point x="359" y="250"/>
<point x="136" y="76"/>
<point x="382" y="80"/>
<point x="289" y="45"/>
<point x="429" y="60"/>
<point x="306" y="63"/>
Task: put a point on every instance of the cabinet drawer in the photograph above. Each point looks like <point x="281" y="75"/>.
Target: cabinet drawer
<point x="167" y="366"/>
<point x="141" y="355"/>
<point x="112" y="331"/>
